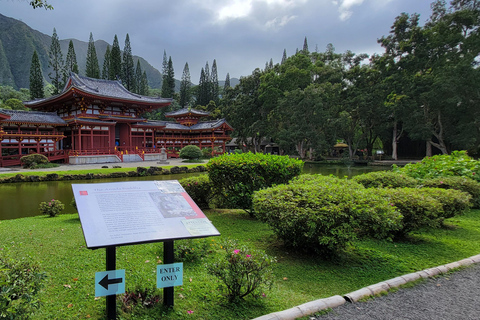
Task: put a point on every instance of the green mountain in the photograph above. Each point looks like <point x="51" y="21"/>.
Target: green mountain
<point x="18" y="41"/>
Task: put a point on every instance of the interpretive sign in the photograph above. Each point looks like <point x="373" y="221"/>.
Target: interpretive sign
<point x="123" y="213"/>
<point x="169" y="275"/>
<point x="109" y="283"/>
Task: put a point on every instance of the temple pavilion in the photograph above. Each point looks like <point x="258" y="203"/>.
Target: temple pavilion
<point x="100" y="121"/>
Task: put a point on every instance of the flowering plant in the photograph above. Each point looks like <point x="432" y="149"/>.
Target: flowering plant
<point x="242" y="270"/>
<point x="52" y="208"/>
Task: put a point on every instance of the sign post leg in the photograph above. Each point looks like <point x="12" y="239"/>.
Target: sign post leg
<point x="111" y="303"/>
<point x="168" y="257"/>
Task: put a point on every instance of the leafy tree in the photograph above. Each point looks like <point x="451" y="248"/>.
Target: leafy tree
<point x="115" y="67"/>
<point x="92" y="69"/>
<point x="13" y="104"/>
<point x="185" y="84"/>
<point x="128" y="68"/>
<point x="106" y="63"/>
<point x="36" y="78"/>
<point x="55" y="61"/>
<point x="71" y="61"/>
<point x="41" y="4"/>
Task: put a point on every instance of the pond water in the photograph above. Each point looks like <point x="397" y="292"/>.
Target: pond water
<point x="18" y="200"/>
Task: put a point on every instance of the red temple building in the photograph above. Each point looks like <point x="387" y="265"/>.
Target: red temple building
<point x="99" y="121"/>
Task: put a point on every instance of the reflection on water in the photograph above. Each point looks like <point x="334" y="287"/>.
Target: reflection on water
<point x="19" y="200"/>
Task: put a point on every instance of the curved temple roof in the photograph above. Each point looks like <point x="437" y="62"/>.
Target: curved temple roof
<point x="37" y="117"/>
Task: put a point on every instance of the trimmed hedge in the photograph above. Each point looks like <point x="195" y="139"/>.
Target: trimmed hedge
<point x="31" y="160"/>
<point x="324" y="214"/>
<point x="236" y="177"/>
<point x="190" y="152"/>
<point x="385" y="179"/>
<point x="458" y="183"/>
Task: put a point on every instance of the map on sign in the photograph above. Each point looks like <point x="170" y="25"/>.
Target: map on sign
<point x="122" y="213"/>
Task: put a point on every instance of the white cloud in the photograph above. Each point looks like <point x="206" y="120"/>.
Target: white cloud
<point x="279" y="22"/>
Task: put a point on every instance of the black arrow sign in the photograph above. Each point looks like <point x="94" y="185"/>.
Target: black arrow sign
<point x="105" y="282"/>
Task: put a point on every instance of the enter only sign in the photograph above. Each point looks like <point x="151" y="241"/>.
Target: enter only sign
<point x="169" y="275"/>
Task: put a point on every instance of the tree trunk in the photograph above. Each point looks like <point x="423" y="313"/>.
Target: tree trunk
<point x="396" y="137"/>
<point x="429" y="149"/>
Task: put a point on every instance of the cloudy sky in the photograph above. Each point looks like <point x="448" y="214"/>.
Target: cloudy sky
<point x="240" y="34"/>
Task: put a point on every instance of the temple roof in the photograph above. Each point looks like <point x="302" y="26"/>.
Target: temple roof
<point x="100" y="88"/>
<point x="35" y="117"/>
<point x="186" y="111"/>
<point x="209" y="124"/>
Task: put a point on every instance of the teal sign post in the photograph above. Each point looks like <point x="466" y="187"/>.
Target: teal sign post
<point x="169" y="275"/>
<point x="109" y="283"/>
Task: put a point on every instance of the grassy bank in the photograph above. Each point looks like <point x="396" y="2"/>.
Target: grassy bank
<point x="58" y="246"/>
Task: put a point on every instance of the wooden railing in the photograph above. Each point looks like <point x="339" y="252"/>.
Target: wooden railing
<point x="14" y="160"/>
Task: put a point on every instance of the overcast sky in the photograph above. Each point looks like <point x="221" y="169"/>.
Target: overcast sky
<point x="240" y="34"/>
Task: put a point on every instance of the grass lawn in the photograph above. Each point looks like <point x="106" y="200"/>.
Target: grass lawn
<point x="58" y="246"/>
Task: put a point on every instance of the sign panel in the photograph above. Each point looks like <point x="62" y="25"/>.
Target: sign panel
<point x="169" y="275"/>
<point x="122" y="213"/>
<point x="109" y="283"/>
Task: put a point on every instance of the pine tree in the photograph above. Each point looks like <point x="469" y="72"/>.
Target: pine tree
<point x="36" y="78"/>
<point x="71" y="64"/>
<point x="185" y="91"/>
<point x="305" y="46"/>
<point x="128" y="68"/>
<point x="168" y="83"/>
<point x="201" y="94"/>
<point x="55" y="62"/>
<point x="227" y="85"/>
<point x="284" y="57"/>
<point x="138" y="78"/>
<point x="92" y="69"/>
<point x="115" y="67"/>
<point x="106" y="63"/>
<point x="144" y="84"/>
<point x="214" y="82"/>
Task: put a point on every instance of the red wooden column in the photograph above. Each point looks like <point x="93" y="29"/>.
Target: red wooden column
<point x="91" y="138"/>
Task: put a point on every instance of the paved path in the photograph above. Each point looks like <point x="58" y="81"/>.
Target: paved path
<point x="454" y="296"/>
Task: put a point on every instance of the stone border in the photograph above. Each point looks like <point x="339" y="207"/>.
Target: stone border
<point x="312" y="307"/>
<point x="139" y="172"/>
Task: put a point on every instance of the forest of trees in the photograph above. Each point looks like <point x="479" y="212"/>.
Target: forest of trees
<point x="423" y="90"/>
<point x="425" y="87"/>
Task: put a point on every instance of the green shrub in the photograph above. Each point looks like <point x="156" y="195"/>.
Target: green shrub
<point x="236" y="177"/>
<point x="191" y="250"/>
<point x="385" y="179"/>
<point x="458" y="183"/>
<point x="52" y="208"/>
<point x="418" y="209"/>
<point x="206" y="153"/>
<point x="199" y="188"/>
<point x="20" y="282"/>
<point x="324" y="214"/>
<point x="190" y="152"/>
<point x="456" y="164"/>
<point x="32" y="160"/>
<point x="454" y="202"/>
<point x="243" y="271"/>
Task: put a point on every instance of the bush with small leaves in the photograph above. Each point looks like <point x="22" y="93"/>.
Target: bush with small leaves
<point x="236" y="176"/>
<point x="20" y="282"/>
<point x="458" y="183"/>
<point x="52" y="207"/>
<point x="454" y="202"/>
<point x="385" y="179"/>
<point x="191" y="250"/>
<point x="190" y="152"/>
<point x="243" y="271"/>
<point x="324" y="214"/>
<point x="199" y="188"/>
<point x="32" y="160"/>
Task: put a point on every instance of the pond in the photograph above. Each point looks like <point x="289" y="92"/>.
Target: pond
<point x="18" y="200"/>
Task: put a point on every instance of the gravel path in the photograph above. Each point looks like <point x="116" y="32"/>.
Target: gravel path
<point x="453" y="296"/>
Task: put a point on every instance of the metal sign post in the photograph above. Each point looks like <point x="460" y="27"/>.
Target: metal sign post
<point x="111" y="303"/>
<point x="168" y="257"/>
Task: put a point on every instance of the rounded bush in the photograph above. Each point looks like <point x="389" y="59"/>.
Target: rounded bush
<point x="199" y="188"/>
<point x="385" y="179"/>
<point x="454" y="202"/>
<point x="190" y="152"/>
<point x="31" y="160"/>
<point x="324" y="214"/>
<point x="458" y="183"/>
<point x="236" y="176"/>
